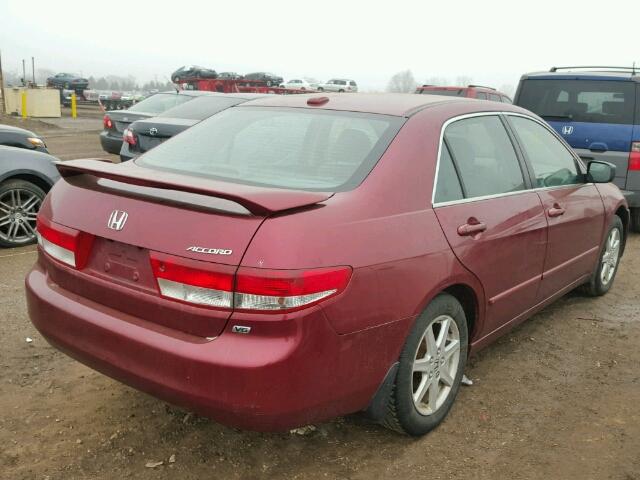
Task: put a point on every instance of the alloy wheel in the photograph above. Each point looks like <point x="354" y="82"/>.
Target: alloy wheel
<point x="18" y="211"/>
<point x="610" y="256"/>
<point x="436" y="364"/>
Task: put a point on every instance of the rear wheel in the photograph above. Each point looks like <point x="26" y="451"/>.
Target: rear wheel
<point x="603" y="276"/>
<point x="20" y="202"/>
<point x="635" y="220"/>
<point x="320" y="89"/>
<point x="430" y="368"/>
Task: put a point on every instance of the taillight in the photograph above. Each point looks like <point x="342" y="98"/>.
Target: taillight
<point x="130" y="137"/>
<point x="277" y="290"/>
<point x="251" y="289"/>
<point x="64" y="244"/>
<point x="634" y="156"/>
<point x="107" y="123"/>
<point x="192" y="281"/>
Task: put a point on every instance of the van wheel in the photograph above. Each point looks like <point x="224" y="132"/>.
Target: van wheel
<point x="20" y="202"/>
<point x="635" y="220"/>
<point x="430" y="368"/>
<point x="604" y="274"/>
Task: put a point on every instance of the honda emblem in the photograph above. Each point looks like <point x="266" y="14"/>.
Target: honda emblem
<point x="567" y="130"/>
<point x="117" y="219"/>
<point x="153" y="131"/>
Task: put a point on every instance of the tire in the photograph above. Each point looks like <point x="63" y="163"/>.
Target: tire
<point x="320" y="89"/>
<point x="417" y="418"/>
<point x="20" y="202"/>
<point x="608" y="261"/>
<point x="341" y="91"/>
<point x="635" y="220"/>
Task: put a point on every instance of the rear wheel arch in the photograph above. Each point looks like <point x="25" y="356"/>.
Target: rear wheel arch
<point x="467" y="297"/>
<point x="31" y="178"/>
<point x="625" y="217"/>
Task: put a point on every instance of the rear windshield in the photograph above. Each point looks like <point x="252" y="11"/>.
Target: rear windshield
<point x="160" y="102"/>
<point x="443" y="91"/>
<point x="291" y="148"/>
<point x="201" y="107"/>
<point x="593" y="101"/>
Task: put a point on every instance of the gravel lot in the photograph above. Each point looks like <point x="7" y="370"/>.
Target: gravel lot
<point x="557" y="398"/>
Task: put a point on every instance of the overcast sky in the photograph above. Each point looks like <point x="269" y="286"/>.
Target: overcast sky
<point x="492" y="41"/>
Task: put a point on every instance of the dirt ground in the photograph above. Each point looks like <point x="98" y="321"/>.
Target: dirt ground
<point x="557" y="398"/>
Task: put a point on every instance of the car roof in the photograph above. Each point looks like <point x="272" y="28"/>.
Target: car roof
<point x="396" y="104"/>
<point x="582" y="75"/>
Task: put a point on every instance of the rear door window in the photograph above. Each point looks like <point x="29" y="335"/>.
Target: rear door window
<point x="551" y="161"/>
<point x="448" y="186"/>
<point x="481" y="96"/>
<point x="494" y="98"/>
<point x="591" y="101"/>
<point x="484" y="156"/>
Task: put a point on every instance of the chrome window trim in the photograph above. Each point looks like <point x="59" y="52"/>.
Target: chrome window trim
<point x="435" y="204"/>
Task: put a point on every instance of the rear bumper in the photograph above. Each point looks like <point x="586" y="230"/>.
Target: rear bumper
<point x="288" y="371"/>
<point x="632" y="197"/>
<point x="110" y="143"/>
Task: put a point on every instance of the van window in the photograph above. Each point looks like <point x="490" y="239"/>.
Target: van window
<point x="448" y="184"/>
<point x="552" y="163"/>
<point x="484" y="156"/>
<point x="592" y="101"/>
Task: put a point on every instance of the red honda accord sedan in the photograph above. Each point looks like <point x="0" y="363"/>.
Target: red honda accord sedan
<point x="296" y="258"/>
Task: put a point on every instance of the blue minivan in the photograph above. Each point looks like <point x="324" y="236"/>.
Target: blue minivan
<point x="597" y="111"/>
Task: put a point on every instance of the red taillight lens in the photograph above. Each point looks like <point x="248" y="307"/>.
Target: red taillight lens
<point x="64" y="244"/>
<point x="634" y="156"/>
<point x="192" y="281"/>
<point x="251" y="289"/>
<point x="278" y="290"/>
<point x="107" y="123"/>
<point x="130" y="137"/>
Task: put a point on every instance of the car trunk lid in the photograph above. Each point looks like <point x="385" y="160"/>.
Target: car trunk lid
<point x="154" y="131"/>
<point x="207" y="225"/>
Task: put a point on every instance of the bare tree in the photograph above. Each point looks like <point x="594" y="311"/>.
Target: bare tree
<point x="508" y="89"/>
<point x="463" y="80"/>
<point x="402" y="82"/>
<point x="437" y="81"/>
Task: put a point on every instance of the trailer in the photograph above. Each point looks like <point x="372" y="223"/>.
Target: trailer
<point x="227" y="85"/>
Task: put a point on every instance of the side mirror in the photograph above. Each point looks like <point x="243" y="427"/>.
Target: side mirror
<point x="600" y="172"/>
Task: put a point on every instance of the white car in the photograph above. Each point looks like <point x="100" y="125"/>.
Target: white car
<point x="338" y="85"/>
<point x="298" y="84"/>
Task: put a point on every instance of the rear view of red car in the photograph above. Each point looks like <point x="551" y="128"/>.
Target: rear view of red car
<point x="297" y="258"/>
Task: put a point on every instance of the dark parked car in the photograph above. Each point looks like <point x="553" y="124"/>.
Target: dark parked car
<point x="597" y="111"/>
<point x="21" y="138"/>
<point x="192" y="71"/>
<point x="269" y="78"/>
<point x="68" y="81"/>
<point x="471" y="91"/>
<point x="116" y="121"/>
<point x="230" y="76"/>
<point x="143" y="135"/>
<point x="300" y="257"/>
<point x="25" y="178"/>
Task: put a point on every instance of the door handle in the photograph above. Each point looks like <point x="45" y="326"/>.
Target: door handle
<point x="471" y="228"/>
<point x="555" y="211"/>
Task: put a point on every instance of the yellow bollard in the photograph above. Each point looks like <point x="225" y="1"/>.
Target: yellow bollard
<point x="74" y="109"/>
<point x="24" y="104"/>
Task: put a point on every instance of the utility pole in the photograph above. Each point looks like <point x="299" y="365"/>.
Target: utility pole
<point x="24" y="74"/>
<point x="33" y="71"/>
<point x="2" y="104"/>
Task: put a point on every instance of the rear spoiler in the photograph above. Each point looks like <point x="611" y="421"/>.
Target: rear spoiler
<point x="258" y="200"/>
